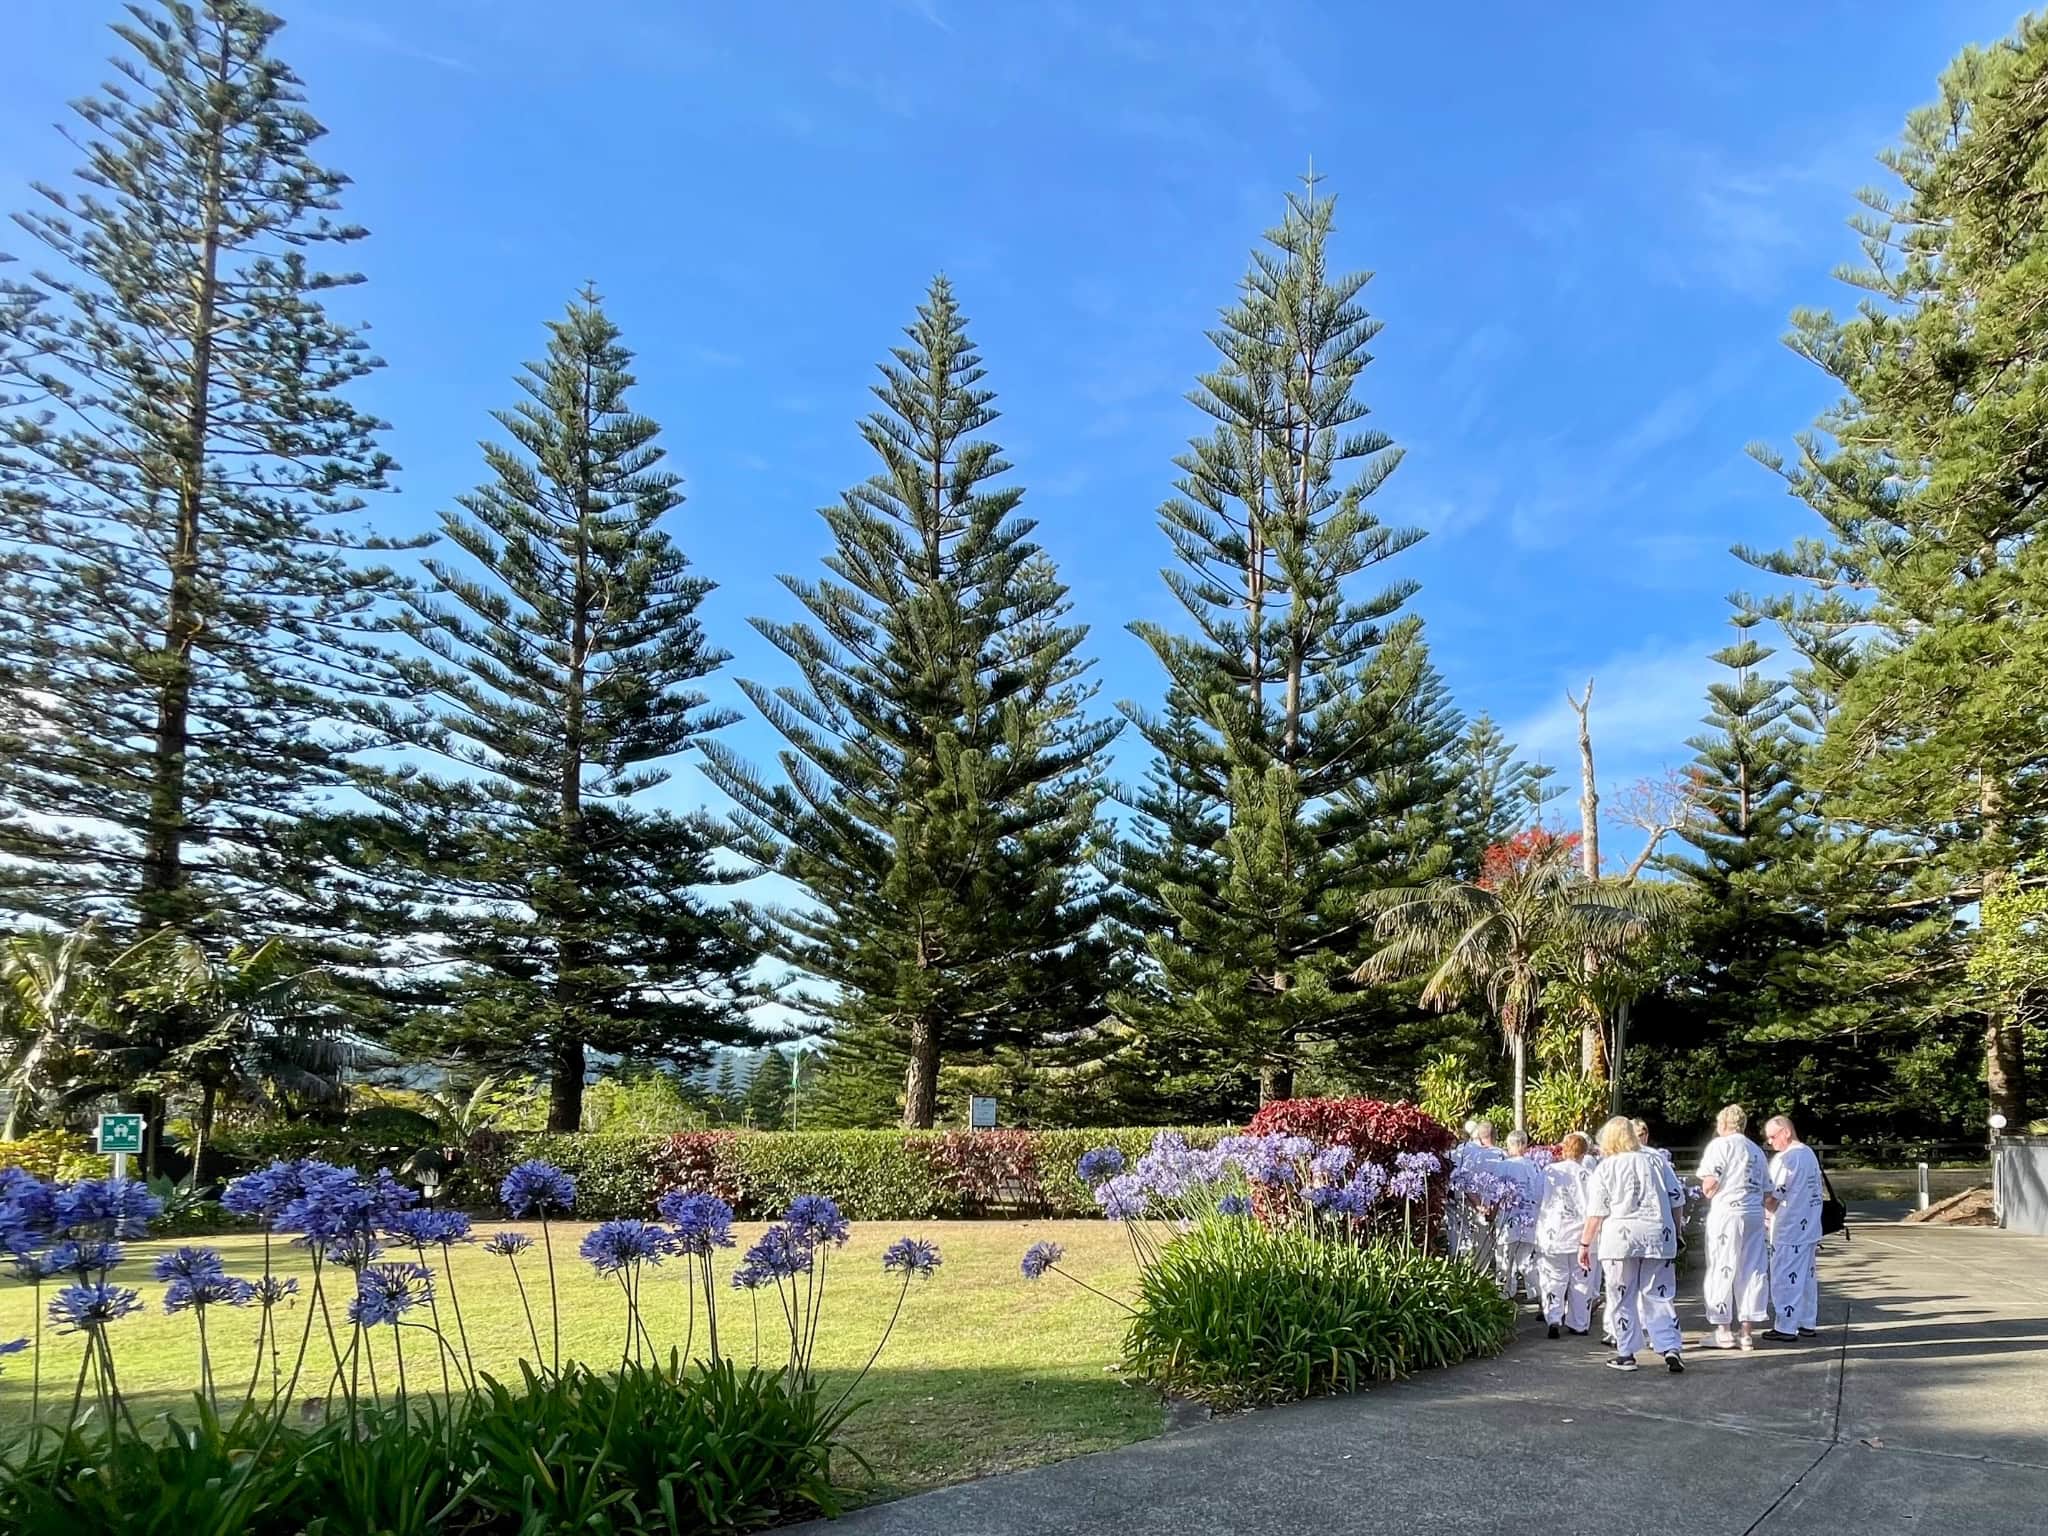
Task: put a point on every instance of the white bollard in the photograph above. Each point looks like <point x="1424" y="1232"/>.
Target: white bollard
<point x="1923" y="1186"/>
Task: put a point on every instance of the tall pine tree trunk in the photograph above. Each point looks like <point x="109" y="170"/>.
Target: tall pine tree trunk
<point x="1592" y="1026"/>
<point x="163" y="858"/>
<point x="921" y="1078"/>
<point x="565" y="1084"/>
<point x="1276" y="1081"/>
<point x="565" y="1088"/>
<point x="2005" y="1067"/>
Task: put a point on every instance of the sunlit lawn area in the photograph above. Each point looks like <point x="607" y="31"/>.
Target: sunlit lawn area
<point x="986" y="1371"/>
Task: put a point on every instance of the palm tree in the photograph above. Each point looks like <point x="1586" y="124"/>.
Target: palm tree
<point x="1493" y="937"/>
<point x="51" y="999"/>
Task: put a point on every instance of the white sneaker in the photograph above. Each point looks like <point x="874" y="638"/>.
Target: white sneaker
<point x="1724" y="1338"/>
<point x="1748" y="1344"/>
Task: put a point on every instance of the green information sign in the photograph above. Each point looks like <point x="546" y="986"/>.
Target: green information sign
<point x="120" y="1133"/>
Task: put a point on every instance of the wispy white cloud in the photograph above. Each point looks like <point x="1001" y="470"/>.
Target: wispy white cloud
<point x="1646" y="701"/>
<point x="379" y="38"/>
<point x="927" y="11"/>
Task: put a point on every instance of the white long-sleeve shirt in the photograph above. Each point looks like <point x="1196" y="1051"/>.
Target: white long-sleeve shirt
<point x="1527" y="1178"/>
<point x="1563" y="1215"/>
<point x="1630" y="1192"/>
<point x="1795" y="1181"/>
<point x="1743" y="1174"/>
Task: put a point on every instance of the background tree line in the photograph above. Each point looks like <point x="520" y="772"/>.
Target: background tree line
<point x="237" y="725"/>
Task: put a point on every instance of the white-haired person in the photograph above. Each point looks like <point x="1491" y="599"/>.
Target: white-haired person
<point x="1794" y="1202"/>
<point x="1514" y="1250"/>
<point x="1630" y="1228"/>
<point x="1564" y="1284"/>
<point x="1735" y="1177"/>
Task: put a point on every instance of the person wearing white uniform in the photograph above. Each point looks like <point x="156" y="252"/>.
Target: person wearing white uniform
<point x="1664" y="1283"/>
<point x="1468" y="1226"/>
<point x="1630" y="1226"/>
<point x="1735" y="1178"/>
<point x="1794" y="1201"/>
<point x="1565" y="1285"/>
<point x="1514" y="1249"/>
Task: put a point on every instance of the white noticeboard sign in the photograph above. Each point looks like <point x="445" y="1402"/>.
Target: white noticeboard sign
<point x="981" y="1114"/>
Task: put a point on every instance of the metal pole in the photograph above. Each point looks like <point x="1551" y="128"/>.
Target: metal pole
<point x="120" y="1165"/>
<point x="1923" y="1186"/>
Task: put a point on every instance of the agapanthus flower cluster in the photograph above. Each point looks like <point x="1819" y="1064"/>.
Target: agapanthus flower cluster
<point x="1274" y="1162"/>
<point x="354" y="1250"/>
<point x="339" y="1203"/>
<point x="1174" y="1171"/>
<point x="507" y="1245"/>
<point x="1355" y="1197"/>
<point x="189" y="1264"/>
<point x="28" y="1211"/>
<point x="1039" y="1258"/>
<point x="272" y="1289"/>
<point x="613" y="1246"/>
<point x="1330" y="1165"/>
<point x="816" y="1220"/>
<point x="386" y="1292"/>
<point x="34" y="1268"/>
<point x="537" y="1188"/>
<point x="1234" y="1205"/>
<point x="108" y="1207"/>
<point x="911" y="1256"/>
<point x="1099" y="1164"/>
<point x="698" y="1222"/>
<point x="84" y="1259"/>
<point x="1122" y="1198"/>
<point x="426" y="1229"/>
<point x="266" y="1194"/>
<point x="781" y="1254"/>
<point x="77" y="1308"/>
<point x="208" y="1291"/>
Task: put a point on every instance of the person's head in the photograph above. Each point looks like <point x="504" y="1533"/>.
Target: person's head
<point x="1732" y="1121"/>
<point x="1482" y="1132"/>
<point x="1618" y="1136"/>
<point x="1642" y="1130"/>
<point x="1518" y="1143"/>
<point x="1574" y="1146"/>
<point x="1779" y="1132"/>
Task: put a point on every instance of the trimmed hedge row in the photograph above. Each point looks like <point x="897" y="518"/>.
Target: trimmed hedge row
<point x="874" y="1175"/>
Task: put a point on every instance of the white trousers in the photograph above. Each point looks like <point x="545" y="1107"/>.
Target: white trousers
<point x="1738" y="1268"/>
<point x="1639" y="1302"/>
<point x="1513" y="1263"/>
<point x="1795" y="1286"/>
<point x="1566" y="1289"/>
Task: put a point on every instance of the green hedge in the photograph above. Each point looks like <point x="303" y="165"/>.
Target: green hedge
<point x="874" y="1175"/>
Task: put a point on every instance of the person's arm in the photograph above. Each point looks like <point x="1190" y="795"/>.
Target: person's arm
<point x="1596" y="1212"/>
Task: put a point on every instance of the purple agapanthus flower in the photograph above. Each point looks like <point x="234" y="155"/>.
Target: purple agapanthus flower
<point x="1265" y="1160"/>
<point x="701" y="1222"/>
<point x="911" y="1256"/>
<point x="507" y="1245"/>
<point x="354" y="1250"/>
<point x="386" y="1292"/>
<point x="112" y="1207"/>
<point x="335" y="1203"/>
<point x="1121" y="1198"/>
<point x="265" y="1194"/>
<point x="1369" y="1181"/>
<point x="538" y="1189"/>
<point x="1428" y="1164"/>
<point x="272" y="1289"/>
<point x="34" y="1268"/>
<point x="1233" y="1205"/>
<point x="207" y="1291"/>
<point x="1040" y="1257"/>
<point x="1408" y="1184"/>
<point x="426" y="1229"/>
<point x="77" y="1308"/>
<point x="84" y="1258"/>
<point x="189" y="1264"/>
<point x="817" y="1220"/>
<point x="1099" y="1164"/>
<point x="780" y="1254"/>
<point x="1331" y="1164"/>
<point x="28" y="1210"/>
<point x="613" y="1246"/>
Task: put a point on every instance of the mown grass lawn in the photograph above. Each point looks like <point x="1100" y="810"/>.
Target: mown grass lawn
<point x="986" y="1372"/>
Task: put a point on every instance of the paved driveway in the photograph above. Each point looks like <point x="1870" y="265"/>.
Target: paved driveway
<point x="1921" y="1408"/>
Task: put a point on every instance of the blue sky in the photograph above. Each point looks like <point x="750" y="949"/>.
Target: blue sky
<point x="1589" y="224"/>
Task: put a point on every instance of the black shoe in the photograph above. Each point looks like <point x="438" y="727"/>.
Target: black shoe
<point x="1622" y="1363"/>
<point x="1780" y="1338"/>
<point x="1809" y="1333"/>
<point x="1578" y="1333"/>
<point x="1674" y="1364"/>
<point x="1553" y="1330"/>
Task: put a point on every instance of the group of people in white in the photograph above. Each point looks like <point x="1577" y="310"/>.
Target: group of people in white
<point x="1621" y="1206"/>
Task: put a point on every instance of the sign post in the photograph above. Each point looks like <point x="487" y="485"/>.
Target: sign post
<point x="981" y="1114"/>
<point x="119" y="1135"/>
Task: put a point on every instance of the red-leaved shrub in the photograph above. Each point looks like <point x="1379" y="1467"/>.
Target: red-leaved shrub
<point x="699" y="1160"/>
<point x="986" y="1168"/>
<point x="1373" y="1128"/>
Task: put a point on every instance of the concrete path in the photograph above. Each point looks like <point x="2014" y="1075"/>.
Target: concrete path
<point x="1921" y="1408"/>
